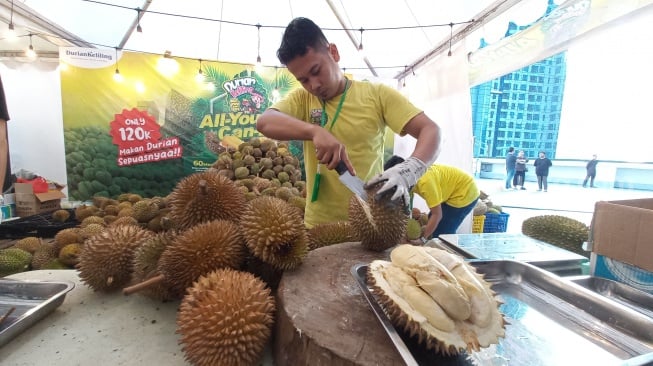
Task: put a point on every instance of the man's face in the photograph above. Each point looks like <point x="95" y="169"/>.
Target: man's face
<point x="318" y="72"/>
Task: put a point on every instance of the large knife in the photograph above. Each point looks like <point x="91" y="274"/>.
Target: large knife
<point x="354" y="184"/>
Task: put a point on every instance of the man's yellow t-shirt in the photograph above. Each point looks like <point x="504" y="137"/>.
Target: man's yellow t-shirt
<point x="367" y="109"/>
<point x="446" y="184"/>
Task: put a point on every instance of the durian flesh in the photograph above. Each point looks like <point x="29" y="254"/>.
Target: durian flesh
<point x="437" y="298"/>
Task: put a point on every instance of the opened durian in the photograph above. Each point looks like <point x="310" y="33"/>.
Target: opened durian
<point x="225" y="319"/>
<point x="105" y="262"/>
<point x="204" y="197"/>
<point x="377" y="223"/>
<point x="275" y="232"/>
<point x="437" y="298"/>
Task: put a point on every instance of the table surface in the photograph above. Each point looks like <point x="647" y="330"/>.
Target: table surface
<point x="94" y="328"/>
<point x="511" y="246"/>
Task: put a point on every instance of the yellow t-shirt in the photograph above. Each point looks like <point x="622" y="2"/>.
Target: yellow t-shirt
<point x="367" y="109"/>
<point x="446" y="184"/>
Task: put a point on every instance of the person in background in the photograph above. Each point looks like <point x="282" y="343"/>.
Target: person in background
<point x="449" y="192"/>
<point x="342" y="120"/>
<point x="520" y="170"/>
<point x="591" y="171"/>
<point x="542" y="164"/>
<point x="511" y="158"/>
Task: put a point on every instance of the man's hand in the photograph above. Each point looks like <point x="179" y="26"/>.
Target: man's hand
<point x="401" y="177"/>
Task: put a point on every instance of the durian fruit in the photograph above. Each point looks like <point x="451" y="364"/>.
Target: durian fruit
<point x="275" y="232"/>
<point x="84" y="211"/>
<point x="105" y="263"/>
<point x="225" y="319"/>
<point x="60" y="215"/>
<point x="146" y="260"/>
<point x="480" y="208"/>
<point x="204" y="197"/>
<point x="44" y="254"/>
<point x="69" y="255"/>
<point x="14" y="260"/>
<point x="28" y="244"/>
<point x="91" y="230"/>
<point x="145" y="210"/>
<point x="377" y="223"/>
<point x="437" y="298"/>
<point x="195" y="252"/>
<point x="124" y="220"/>
<point x="413" y="229"/>
<point x="65" y="237"/>
<point x="561" y="231"/>
<point x="92" y="220"/>
<point x="322" y="235"/>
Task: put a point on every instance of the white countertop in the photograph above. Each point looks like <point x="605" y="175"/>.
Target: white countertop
<point x="94" y="328"/>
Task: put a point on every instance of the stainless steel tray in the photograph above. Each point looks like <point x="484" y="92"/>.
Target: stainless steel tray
<point x="617" y="291"/>
<point x="32" y="301"/>
<point x="551" y="322"/>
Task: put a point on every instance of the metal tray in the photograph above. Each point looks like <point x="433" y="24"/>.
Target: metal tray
<point x="32" y="301"/>
<point x="551" y="322"/>
<point x="617" y="291"/>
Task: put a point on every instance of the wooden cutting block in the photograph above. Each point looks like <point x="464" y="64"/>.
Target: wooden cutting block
<point x="322" y="316"/>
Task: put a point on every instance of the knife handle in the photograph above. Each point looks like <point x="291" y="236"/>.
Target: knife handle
<point x="341" y="168"/>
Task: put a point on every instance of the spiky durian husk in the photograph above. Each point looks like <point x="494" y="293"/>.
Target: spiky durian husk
<point x="29" y="244"/>
<point x="379" y="224"/>
<point x="275" y="232"/>
<point x="124" y="220"/>
<point x="105" y="263"/>
<point x="145" y="210"/>
<point x="45" y="253"/>
<point x="465" y="335"/>
<point x="199" y="250"/>
<point x="560" y="231"/>
<point x="67" y="236"/>
<point x="413" y="229"/>
<point x="203" y="197"/>
<point x="60" y="215"/>
<point x="91" y="230"/>
<point x="92" y="220"/>
<point x="329" y="233"/>
<point x="225" y="319"/>
<point x="69" y="254"/>
<point x="146" y="260"/>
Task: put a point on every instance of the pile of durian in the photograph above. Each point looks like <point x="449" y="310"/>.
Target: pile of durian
<point x="262" y="166"/>
<point x="485" y="205"/>
<point x="437" y="298"/>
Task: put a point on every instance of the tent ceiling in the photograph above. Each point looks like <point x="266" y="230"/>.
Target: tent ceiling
<point x="191" y="29"/>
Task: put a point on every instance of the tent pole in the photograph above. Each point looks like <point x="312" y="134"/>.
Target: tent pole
<point x="351" y="35"/>
<point x="130" y="30"/>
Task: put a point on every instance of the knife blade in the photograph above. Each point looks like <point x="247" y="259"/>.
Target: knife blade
<point x="354" y="183"/>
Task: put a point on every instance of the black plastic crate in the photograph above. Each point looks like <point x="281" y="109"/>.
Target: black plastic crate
<point x="40" y="225"/>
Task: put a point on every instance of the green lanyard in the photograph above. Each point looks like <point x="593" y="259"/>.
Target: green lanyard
<point x="323" y="122"/>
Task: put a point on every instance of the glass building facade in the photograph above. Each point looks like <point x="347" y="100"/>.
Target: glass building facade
<point x="520" y="109"/>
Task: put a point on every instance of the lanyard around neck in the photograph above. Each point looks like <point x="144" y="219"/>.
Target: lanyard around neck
<point x="323" y="118"/>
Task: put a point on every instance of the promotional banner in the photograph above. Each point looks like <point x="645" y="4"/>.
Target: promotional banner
<point x="139" y="123"/>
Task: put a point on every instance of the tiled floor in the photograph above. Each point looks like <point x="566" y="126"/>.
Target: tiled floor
<point x="561" y="199"/>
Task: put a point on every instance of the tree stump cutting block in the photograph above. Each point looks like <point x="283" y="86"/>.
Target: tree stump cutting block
<point x="322" y="316"/>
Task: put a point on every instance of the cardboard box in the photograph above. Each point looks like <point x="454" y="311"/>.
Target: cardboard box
<point x="623" y="231"/>
<point x="29" y="203"/>
<point x="604" y="267"/>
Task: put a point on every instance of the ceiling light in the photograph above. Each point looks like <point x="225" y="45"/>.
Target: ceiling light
<point x="200" y="74"/>
<point x="139" y="29"/>
<point x="116" y="75"/>
<point x="167" y="65"/>
<point x="30" y="53"/>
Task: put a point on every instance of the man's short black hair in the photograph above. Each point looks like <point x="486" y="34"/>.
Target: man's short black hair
<point x="394" y="160"/>
<point x="300" y="34"/>
<point x="511" y="149"/>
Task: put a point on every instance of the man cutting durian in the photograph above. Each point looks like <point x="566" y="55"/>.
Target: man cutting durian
<point x="343" y="120"/>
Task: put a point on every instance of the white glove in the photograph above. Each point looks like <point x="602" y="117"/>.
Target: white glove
<point x="402" y="177"/>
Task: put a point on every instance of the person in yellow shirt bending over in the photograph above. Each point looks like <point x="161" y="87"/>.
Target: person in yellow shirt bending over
<point x="343" y="120"/>
<point x="449" y="192"/>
